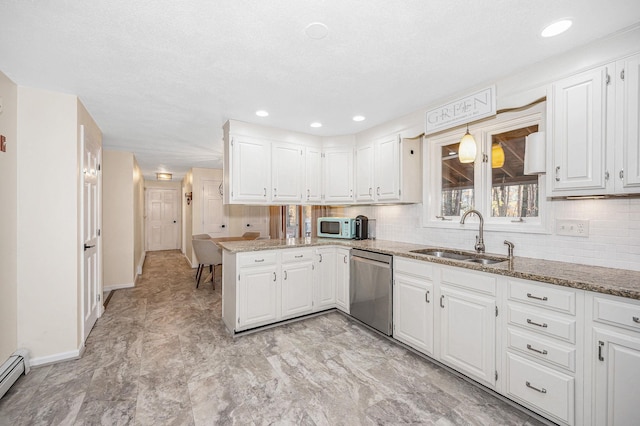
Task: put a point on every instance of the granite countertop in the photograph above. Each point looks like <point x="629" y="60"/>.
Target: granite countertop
<point x="618" y="282"/>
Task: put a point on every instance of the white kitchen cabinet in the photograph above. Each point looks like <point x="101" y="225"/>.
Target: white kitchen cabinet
<point x="286" y="172"/>
<point x="364" y="168"/>
<point x="615" y="360"/>
<point x="627" y="170"/>
<point x="577" y="116"/>
<point x="467" y="305"/>
<point x="389" y="170"/>
<point x="313" y="176"/>
<point x="338" y="175"/>
<point x="258" y="293"/>
<point x="342" y="279"/>
<point x="413" y="302"/>
<point x="297" y="283"/>
<point x="594" y="140"/>
<point x="250" y="170"/>
<point x="325" y="278"/>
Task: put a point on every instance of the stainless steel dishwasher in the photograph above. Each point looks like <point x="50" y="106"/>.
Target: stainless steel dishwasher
<point x="370" y="298"/>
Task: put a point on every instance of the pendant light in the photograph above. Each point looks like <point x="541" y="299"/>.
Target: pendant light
<point x="467" y="148"/>
<point x="497" y="156"/>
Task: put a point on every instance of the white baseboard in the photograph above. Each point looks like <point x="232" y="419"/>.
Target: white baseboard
<point x="117" y="286"/>
<point x="141" y="263"/>
<point x="55" y="358"/>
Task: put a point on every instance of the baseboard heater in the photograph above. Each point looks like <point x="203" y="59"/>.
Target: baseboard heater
<point x="12" y="369"/>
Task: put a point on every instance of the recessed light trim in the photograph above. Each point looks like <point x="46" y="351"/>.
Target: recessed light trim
<point x="316" y="30"/>
<point x="316" y="124"/>
<point x="359" y="118"/>
<point x="262" y="113"/>
<point x="556" y="28"/>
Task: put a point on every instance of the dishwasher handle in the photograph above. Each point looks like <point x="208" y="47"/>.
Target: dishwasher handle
<point x="377" y="263"/>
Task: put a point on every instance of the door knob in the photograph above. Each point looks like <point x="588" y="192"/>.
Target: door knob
<point x="175" y="221"/>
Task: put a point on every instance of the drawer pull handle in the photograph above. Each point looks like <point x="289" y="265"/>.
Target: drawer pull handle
<point x="320" y="257"/>
<point x="299" y="257"/>
<point x="531" y="348"/>
<point x="542" y="390"/>
<point x="274" y="277"/>
<point x="426" y="297"/>
<point x="636" y="320"/>
<point x="531" y="296"/>
<point x="543" y="325"/>
<point x="285" y="275"/>
<point x="442" y="301"/>
<point x="258" y="260"/>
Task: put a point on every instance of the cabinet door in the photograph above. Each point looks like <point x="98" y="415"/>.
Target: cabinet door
<point x="617" y="378"/>
<point x="297" y="289"/>
<point x="467" y="333"/>
<point x="286" y="172"/>
<point x="388" y="169"/>
<point x="251" y="169"/>
<point x="326" y="279"/>
<point x="257" y="296"/>
<point x="338" y="175"/>
<point x="342" y="280"/>
<point x="313" y="170"/>
<point x="628" y="136"/>
<point x="413" y="312"/>
<point x="578" y="115"/>
<point x="364" y="173"/>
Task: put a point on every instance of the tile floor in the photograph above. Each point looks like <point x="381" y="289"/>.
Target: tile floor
<point x="160" y="355"/>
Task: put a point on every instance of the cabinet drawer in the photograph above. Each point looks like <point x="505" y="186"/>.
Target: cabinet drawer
<point x="540" y="321"/>
<point x="541" y="295"/>
<point x="475" y="281"/>
<point x="417" y="268"/>
<point x="538" y="347"/>
<point x="619" y="313"/>
<point x="297" y="255"/>
<point x="257" y="258"/>
<point x="547" y="389"/>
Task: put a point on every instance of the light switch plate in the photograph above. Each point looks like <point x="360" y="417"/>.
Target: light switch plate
<point x="572" y="228"/>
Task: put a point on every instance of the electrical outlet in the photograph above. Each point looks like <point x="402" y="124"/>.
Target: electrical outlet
<point x="572" y="228"/>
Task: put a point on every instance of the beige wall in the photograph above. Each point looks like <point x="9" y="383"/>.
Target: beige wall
<point x="138" y="218"/>
<point x="118" y="219"/>
<point x="8" y="222"/>
<point x="48" y="250"/>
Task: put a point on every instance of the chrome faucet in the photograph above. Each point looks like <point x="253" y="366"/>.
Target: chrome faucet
<point x="479" y="238"/>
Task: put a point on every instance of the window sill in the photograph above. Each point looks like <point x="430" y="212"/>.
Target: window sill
<point x="521" y="228"/>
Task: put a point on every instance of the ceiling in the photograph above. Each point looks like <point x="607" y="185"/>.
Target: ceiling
<point x="161" y="77"/>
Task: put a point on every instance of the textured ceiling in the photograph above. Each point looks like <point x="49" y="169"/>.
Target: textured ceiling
<point x="161" y="77"/>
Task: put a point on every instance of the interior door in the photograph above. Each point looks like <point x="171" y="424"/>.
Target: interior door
<point x="91" y="207"/>
<point x="162" y="219"/>
<point x="214" y="217"/>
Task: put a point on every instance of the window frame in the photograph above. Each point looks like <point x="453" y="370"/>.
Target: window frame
<point x="482" y="132"/>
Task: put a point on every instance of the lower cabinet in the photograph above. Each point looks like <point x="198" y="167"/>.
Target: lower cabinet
<point x="342" y="279"/>
<point x="615" y="358"/>
<point x="413" y="301"/>
<point x="468" y="333"/>
<point x="264" y="287"/>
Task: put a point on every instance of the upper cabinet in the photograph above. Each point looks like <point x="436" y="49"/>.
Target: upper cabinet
<point x="389" y="170"/>
<point x="312" y="175"/>
<point x="287" y="161"/>
<point x="338" y="175"/>
<point x="593" y="137"/>
<point x="250" y="176"/>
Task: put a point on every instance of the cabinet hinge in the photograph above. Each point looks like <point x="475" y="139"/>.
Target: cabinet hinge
<point x="608" y="79"/>
<point x="99" y="167"/>
<point x="622" y="75"/>
<point x="238" y="320"/>
<point x="99" y="297"/>
<point x="231" y="141"/>
<point x="485" y="158"/>
<point x="496" y="311"/>
<point x="238" y="277"/>
<point x="98" y="232"/>
<point x="496" y="375"/>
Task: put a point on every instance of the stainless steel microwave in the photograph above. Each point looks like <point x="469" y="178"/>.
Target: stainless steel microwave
<point x="337" y="227"/>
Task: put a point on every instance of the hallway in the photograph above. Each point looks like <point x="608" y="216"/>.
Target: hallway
<point x="160" y="355"/>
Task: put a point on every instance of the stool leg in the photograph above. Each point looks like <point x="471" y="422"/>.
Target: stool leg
<point x="199" y="275"/>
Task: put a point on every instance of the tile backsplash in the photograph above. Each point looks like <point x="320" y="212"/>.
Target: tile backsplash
<point x="613" y="241"/>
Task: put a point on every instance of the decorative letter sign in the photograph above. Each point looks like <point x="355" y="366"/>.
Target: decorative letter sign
<point x="470" y="108"/>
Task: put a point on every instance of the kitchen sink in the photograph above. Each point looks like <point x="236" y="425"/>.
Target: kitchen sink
<point x="461" y="256"/>
<point x="443" y="254"/>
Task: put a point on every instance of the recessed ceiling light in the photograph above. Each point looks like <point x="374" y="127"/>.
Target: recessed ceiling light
<point x="358" y="118"/>
<point x="316" y="124"/>
<point x="316" y="30"/>
<point x="163" y="176"/>
<point x="262" y="113"/>
<point x="556" y="28"/>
